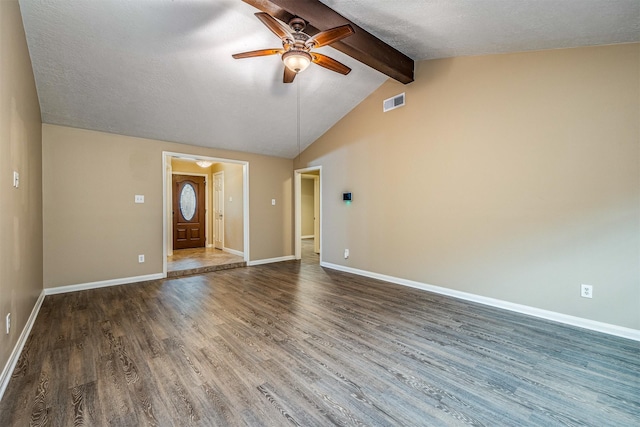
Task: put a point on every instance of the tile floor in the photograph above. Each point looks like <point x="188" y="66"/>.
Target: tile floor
<point x="185" y="262"/>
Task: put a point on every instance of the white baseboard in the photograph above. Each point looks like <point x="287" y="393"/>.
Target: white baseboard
<point x="233" y="251"/>
<point x="310" y="236"/>
<point x="102" y="284"/>
<point x="5" y="377"/>
<point x="620" y="331"/>
<point x="270" y="260"/>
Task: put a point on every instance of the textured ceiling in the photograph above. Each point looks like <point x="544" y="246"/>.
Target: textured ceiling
<point x="446" y="28"/>
<point x="163" y="69"/>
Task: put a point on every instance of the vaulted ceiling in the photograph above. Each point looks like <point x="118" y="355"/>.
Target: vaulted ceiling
<point x="163" y="69"/>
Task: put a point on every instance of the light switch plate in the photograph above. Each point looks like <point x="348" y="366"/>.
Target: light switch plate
<point x="273" y="202"/>
<point x="16" y="179"/>
<point x="139" y="198"/>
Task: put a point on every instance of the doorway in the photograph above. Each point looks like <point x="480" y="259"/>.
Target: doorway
<point x="308" y="213"/>
<point x="235" y="202"/>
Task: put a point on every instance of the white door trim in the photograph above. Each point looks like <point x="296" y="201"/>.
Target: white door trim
<point x="316" y="214"/>
<point x="297" y="184"/>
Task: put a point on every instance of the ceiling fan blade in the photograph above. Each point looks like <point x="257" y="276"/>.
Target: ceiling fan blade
<point x="276" y="27"/>
<point x="254" y="53"/>
<point x="288" y="75"/>
<point x="329" y="63"/>
<point x="330" y="36"/>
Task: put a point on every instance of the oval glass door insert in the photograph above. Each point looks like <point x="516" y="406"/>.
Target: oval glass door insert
<point x="188" y="202"/>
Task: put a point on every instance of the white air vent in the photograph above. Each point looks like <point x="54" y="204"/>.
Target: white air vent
<point x="393" y="103"/>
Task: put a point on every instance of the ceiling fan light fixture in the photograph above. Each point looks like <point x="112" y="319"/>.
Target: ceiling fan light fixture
<point x="296" y="60"/>
<point x="204" y="163"/>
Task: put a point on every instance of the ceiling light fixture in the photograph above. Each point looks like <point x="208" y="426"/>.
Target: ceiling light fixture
<point x="297" y="45"/>
<point x="204" y="163"/>
<point x="296" y="60"/>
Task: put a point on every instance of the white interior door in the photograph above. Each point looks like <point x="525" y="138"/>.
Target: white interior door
<point x="218" y="209"/>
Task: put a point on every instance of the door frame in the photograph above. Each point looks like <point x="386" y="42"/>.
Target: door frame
<point x="297" y="184"/>
<point x="166" y="201"/>
<point x="206" y="203"/>
<point x="215" y="202"/>
<point x="316" y="214"/>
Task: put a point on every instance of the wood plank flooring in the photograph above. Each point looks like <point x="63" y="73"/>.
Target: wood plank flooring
<point x="294" y="344"/>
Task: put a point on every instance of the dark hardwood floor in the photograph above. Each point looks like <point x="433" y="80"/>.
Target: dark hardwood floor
<point x="294" y="344"/>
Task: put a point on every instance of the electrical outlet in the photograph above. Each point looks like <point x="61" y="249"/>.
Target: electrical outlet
<point x="586" y="291"/>
<point x="8" y="323"/>
<point x="140" y="259"/>
<point x="138" y="198"/>
<point x="346" y="253"/>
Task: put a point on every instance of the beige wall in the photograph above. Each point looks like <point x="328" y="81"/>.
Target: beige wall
<point x="20" y="208"/>
<point x="306" y="190"/>
<point x="512" y="176"/>
<point x="233" y="208"/>
<point x="93" y="231"/>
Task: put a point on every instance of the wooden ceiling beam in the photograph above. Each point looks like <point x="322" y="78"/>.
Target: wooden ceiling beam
<point x="361" y="46"/>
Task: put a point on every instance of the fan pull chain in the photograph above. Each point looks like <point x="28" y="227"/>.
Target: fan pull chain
<point x="298" y="114"/>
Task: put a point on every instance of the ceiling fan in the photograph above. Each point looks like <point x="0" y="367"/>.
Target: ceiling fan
<point x="297" y="47"/>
